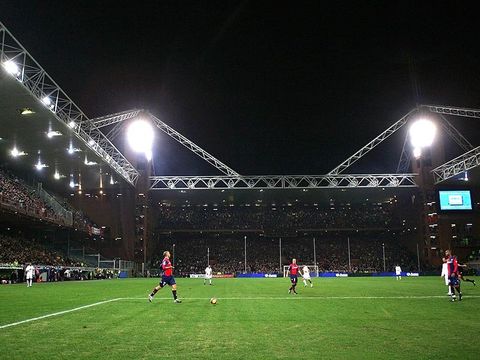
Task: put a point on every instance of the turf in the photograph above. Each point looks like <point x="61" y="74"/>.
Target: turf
<point x="339" y="318"/>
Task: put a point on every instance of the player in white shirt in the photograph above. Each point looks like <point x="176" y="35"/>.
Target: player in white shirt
<point x="29" y="272"/>
<point x="445" y="275"/>
<point x="306" y="276"/>
<point x="208" y="275"/>
<point x="398" y="272"/>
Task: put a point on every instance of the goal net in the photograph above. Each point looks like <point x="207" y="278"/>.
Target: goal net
<point x="313" y="270"/>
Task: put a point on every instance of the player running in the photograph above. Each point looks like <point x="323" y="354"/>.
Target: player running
<point x="306" y="276"/>
<point x="208" y="275"/>
<point x="293" y="271"/>
<point x="460" y="274"/>
<point x="398" y="272"/>
<point x="454" y="281"/>
<point x="167" y="279"/>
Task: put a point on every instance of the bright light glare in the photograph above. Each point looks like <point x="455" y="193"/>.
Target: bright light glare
<point x="46" y="101"/>
<point x="72" y="183"/>
<point x="140" y="136"/>
<point x="71" y="124"/>
<point x="56" y="176"/>
<point x="11" y="67"/>
<point x="14" y="152"/>
<point x="417" y="152"/>
<point x="422" y="132"/>
<point x="39" y="166"/>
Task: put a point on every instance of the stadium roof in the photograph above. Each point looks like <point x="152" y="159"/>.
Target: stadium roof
<point x="29" y="134"/>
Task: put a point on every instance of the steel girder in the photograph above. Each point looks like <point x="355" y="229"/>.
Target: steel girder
<point x="41" y="86"/>
<point x="197" y="150"/>
<point x="372" y="144"/>
<point x="456" y="111"/>
<point x="114" y="118"/>
<point x="462" y="163"/>
<point x="456" y="135"/>
<point x="281" y="182"/>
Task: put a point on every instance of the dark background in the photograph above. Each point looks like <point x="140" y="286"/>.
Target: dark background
<point x="268" y="88"/>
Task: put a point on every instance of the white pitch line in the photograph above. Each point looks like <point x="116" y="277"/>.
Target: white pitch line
<point x="293" y="297"/>
<point x="236" y="298"/>
<point x="57" y="313"/>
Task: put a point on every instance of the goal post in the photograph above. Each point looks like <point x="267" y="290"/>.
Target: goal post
<point x="313" y="270"/>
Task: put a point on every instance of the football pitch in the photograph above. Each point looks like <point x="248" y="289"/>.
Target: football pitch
<point x="339" y="318"/>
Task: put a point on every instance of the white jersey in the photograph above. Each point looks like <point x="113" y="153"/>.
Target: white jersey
<point x="29" y="271"/>
<point x="398" y="270"/>
<point x="306" y="272"/>
<point x="445" y="272"/>
<point x="208" y="272"/>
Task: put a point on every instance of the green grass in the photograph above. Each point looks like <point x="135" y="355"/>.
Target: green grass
<point x="254" y="319"/>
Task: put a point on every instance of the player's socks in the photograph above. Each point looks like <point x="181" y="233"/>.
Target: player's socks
<point x="470" y="280"/>
<point x="174" y="293"/>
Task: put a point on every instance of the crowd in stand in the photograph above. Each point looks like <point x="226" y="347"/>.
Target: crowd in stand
<point x="227" y="253"/>
<point x="17" y="250"/>
<point x="15" y="193"/>
<point x="278" y="218"/>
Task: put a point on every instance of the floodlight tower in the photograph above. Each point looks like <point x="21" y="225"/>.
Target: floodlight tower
<point x="428" y="151"/>
<point x="140" y="137"/>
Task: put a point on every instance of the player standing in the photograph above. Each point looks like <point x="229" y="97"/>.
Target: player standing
<point x="398" y="272"/>
<point x="29" y="271"/>
<point x="293" y="271"/>
<point x="445" y="275"/>
<point x="208" y="275"/>
<point x="167" y="279"/>
<point x="306" y="276"/>
<point x="454" y="281"/>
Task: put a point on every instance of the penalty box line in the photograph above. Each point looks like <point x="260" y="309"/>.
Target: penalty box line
<point x="58" y="313"/>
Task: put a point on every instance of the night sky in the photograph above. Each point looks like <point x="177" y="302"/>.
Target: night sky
<point x="267" y="88"/>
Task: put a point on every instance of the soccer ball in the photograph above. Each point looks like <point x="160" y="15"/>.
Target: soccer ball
<point x="213" y="301"/>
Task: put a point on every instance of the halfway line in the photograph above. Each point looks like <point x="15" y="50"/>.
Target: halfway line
<point x="58" y="313"/>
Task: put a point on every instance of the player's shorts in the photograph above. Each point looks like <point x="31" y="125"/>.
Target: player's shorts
<point x="208" y="276"/>
<point x="293" y="279"/>
<point x="453" y="281"/>
<point x="167" y="280"/>
<point x="398" y="273"/>
<point x="306" y="277"/>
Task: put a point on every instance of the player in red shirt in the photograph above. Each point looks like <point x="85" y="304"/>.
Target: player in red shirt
<point x="294" y="271"/>
<point x="167" y="279"/>
<point x="454" y="281"/>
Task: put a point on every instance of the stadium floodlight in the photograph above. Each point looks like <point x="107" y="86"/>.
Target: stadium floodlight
<point x="422" y="133"/>
<point x="111" y="180"/>
<point x="15" y="152"/>
<point x="39" y="165"/>
<point x="52" y="133"/>
<point x="47" y="101"/>
<point x="26" y="111"/>
<point x="417" y="152"/>
<point x="11" y="68"/>
<point x="72" y="124"/>
<point x="91" y="142"/>
<point x="140" y="137"/>
<point x="56" y="175"/>
<point x="72" y="183"/>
